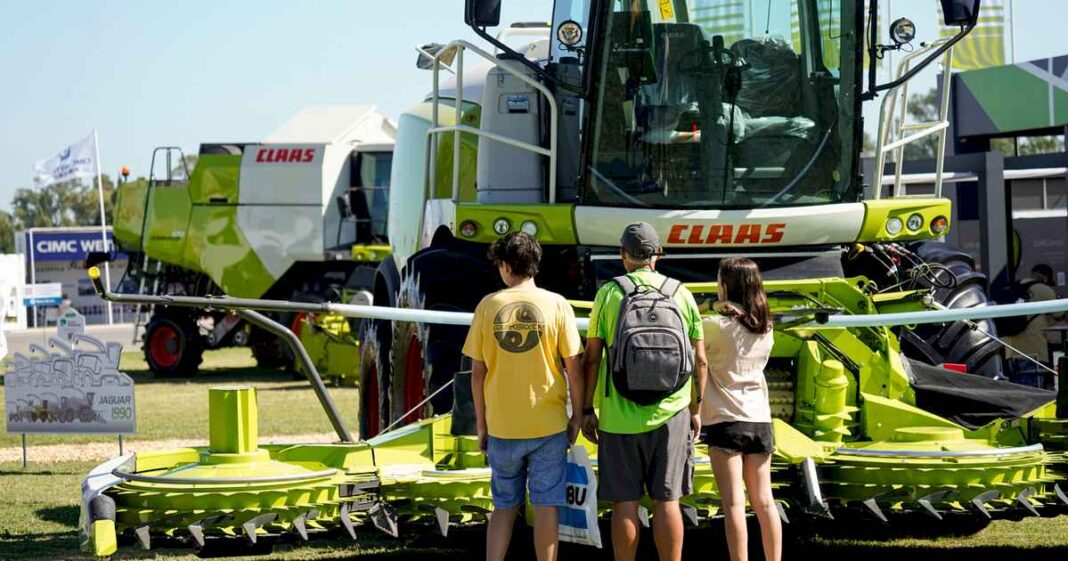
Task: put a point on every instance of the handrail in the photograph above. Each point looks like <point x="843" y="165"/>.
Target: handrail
<point x="436" y="128"/>
<point x="886" y="115"/>
<point x="464" y="318"/>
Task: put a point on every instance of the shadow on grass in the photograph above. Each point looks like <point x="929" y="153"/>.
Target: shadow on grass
<point x="925" y="553"/>
<point x="468" y="545"/>
<point x="65" y="515"/>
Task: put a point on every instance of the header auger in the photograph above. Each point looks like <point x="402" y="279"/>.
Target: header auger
<point x="864" y="437"/>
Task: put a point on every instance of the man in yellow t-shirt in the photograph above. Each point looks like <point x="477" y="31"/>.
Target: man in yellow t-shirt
<point x="522" y="340"/>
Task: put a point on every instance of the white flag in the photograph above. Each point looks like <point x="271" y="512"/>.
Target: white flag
<point x="74" y="161"/>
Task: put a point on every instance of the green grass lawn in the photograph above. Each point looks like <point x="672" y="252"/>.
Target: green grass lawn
<point x="178" y="407"/>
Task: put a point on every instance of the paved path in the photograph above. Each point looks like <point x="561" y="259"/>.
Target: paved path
<point x="103" y="450"/>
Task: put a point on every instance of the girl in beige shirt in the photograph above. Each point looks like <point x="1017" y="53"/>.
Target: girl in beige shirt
<point x="735" y="409"/>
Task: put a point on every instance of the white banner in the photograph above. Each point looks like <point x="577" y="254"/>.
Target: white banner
<point x="74" y="161"/>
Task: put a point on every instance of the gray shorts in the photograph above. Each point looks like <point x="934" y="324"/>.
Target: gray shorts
<point x="658" y="462"/>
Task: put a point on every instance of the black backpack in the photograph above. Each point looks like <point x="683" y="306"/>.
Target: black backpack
<point x="651" y="356"/>
<point x="1015" y="325"/>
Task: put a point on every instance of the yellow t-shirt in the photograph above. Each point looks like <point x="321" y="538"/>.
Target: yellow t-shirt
<point x="523" y="335"/>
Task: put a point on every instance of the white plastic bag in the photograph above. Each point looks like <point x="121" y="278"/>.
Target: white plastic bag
<point x="578" y="520"/>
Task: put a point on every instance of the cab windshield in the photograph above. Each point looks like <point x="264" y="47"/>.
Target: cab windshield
<point x="723" y="104"/>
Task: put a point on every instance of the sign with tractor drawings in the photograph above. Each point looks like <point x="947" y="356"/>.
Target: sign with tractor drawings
<point x="71" y="387"/>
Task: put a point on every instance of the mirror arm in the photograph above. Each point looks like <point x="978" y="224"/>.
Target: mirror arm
<point x="870" y="94"/>
<point x="871" y="46"/>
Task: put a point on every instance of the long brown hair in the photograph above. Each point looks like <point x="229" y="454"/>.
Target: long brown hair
<point x="741" y="280"/>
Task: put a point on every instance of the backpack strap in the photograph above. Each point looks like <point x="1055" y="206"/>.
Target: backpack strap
<point x="670" y="287"/>
<point x="629" y="286"/>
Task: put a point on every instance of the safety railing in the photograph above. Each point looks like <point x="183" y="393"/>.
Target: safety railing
<point x="464" y="318"/>
<point x="458" y="48"/>
<point x="906" y="133"/>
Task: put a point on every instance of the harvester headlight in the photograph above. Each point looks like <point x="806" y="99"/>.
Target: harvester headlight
<point x="569" y="33"/>
<point x="902" y="31"/>
<point x="468" y="229"/>
<point x="939" y="225"/>
<point x="914" y="223"/>
<point x="502" y="226"/>
<point x="894" y="226"/>
<point x="530" y="228"/>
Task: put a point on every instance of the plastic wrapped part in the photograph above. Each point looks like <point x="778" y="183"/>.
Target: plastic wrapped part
<point x="771" y="86"/>
<point x="970" y="400"/>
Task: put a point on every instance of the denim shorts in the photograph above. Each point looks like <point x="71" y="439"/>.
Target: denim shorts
<point x="537" y="463"/>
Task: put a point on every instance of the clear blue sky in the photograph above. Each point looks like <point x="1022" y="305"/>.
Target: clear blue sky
<point x="152" y="73"/>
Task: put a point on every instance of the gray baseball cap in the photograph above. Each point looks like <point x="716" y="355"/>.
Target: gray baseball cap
<point x="640" y="240"/>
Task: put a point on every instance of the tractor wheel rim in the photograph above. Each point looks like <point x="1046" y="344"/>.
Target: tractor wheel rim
<point x="413" y="380"/>
<point x="165" y="346"/>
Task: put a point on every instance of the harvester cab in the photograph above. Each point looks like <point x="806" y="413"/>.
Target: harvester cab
<point x="300" y="215"/>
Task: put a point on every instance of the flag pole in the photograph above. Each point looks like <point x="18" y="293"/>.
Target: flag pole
<point x="103" y="219"/>
<point x="1012" y="33"/>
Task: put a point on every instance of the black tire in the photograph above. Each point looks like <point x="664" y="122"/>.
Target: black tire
<point x="959" y="286"/>
<point x="268" y="352"/>
<point x="374" y="359"/>
<point x="172" y="345"/>
<point x="425" y="357"/>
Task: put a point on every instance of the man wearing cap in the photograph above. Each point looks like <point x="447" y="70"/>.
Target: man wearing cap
<point x="642" y="449"/>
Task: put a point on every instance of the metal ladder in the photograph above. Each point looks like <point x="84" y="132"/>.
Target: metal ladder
<point x="145" y="311"/>
<point x="894" y="133"/>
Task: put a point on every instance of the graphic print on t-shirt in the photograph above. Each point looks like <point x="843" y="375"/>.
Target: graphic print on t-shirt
<point x="518" y="327"/>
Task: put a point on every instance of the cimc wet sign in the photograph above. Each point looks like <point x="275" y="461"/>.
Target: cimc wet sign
<point x="66" y="245"/>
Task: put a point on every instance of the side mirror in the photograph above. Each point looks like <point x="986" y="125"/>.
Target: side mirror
<point x="960" y="12"/>
<point x="427" y="53"/>
<point x="482" y="13"/>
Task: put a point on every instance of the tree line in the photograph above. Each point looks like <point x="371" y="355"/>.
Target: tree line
<point x="65" y="204"/>
<point x="69" y="203"/>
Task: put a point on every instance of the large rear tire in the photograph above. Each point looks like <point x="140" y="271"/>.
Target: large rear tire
<point x="172" y="345"/>
<point x="374" y="361"/>
<point x="426" y="357"/>
<point x="958" y="286"/>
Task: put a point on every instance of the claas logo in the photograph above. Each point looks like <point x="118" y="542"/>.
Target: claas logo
<point x="726" y="234"/>
<point x="285" y="155"/>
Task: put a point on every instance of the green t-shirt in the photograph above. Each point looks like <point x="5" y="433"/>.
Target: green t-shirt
<point x="618" y="414"/>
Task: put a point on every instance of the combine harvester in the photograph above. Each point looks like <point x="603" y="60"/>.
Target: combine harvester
<point x="729" y="145"/>
<point x="299" y="216"/>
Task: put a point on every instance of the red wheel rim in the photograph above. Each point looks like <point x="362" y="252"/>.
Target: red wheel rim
<point x="165" y="346"/>
<point x="373" y="415"/>
<point x="298" y="322"/>
<point x="413" y="380"/>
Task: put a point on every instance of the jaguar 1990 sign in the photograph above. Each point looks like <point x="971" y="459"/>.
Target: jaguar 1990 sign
<point x="71" y="387"/>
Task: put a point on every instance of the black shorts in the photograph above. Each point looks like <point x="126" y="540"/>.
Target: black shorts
<point x="741" y="437"/>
